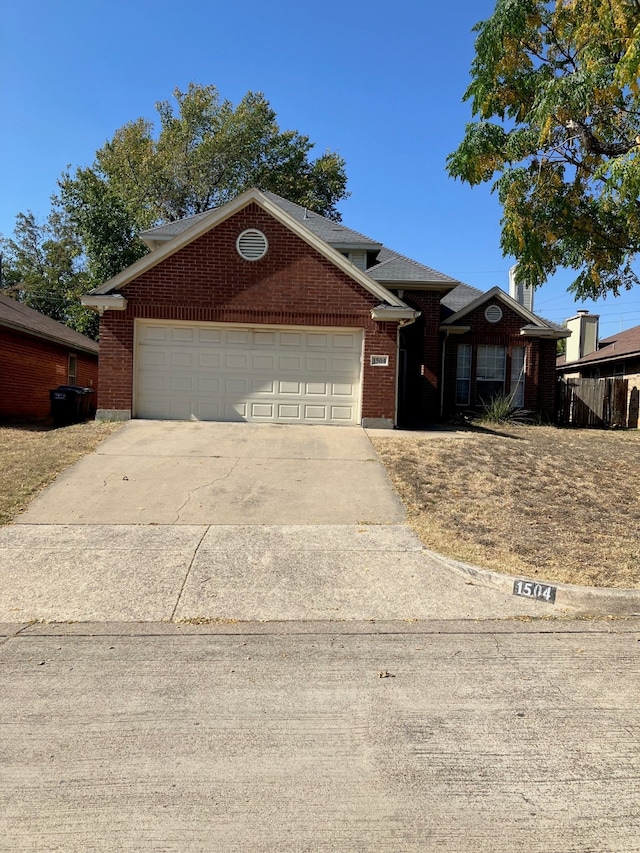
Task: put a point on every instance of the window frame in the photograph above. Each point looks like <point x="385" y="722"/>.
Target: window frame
<point x="72" y="374"/>
<point x="463" y="374"/>
<point x="484" y="364"/>
<point x="518" y="374"/>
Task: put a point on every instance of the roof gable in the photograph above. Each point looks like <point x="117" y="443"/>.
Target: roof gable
<point x="534" y="322"/>
<point x="200" y="224"/>
<point x="19" y="317"/>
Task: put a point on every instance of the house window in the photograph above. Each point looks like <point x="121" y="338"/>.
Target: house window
<point x="72" y="371"/>
<point x="490" y="371"/>
<point x="517" y="376"/>
<point x="463" y="375"/>
<point x="618" y="370"/>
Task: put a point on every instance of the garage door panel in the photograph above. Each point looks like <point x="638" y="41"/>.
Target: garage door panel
<point x="260" y="362"/>
<point x="290" y="363"/>
<point x="208" y="359"/>
<point x="317" y="365"/>
<point x="209" y="336"/>
<point x="316" y="388"/>
<point x="266" y="339"/>
<point x="209" y="385"/>
<point x="237" y="337"/>
<point x="263" y="411"/>
<point x="290" y="339"/>
<point x="182" y="358"/>
<point x="183" y="334"/>
<point x="342" y="389"/>
<point x="239" y="385"/>
<point x="182" y="383"/>
<point x="234" y="374"/>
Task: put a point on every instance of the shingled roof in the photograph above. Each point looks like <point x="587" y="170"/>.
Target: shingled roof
<point x="20" y="318"/>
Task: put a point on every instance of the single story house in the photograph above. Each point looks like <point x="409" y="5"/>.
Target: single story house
<point x="618" y="356"/>
<point x="36" y="355"/>
<point x="261" y="310"/>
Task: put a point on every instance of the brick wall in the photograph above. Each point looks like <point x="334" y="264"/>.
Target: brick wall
<point x="207" y="281"/>
<point x="540" y="358"/>
<point x="30" y="368"/>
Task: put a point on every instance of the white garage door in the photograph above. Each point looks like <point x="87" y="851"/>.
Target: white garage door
<point x="206" y="372"/>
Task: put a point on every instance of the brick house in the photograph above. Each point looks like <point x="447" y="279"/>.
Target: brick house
<point x="263" y="311"/>
<point x="36" y="355"/>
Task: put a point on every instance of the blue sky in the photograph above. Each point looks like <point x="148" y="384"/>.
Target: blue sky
<point x="380" y="83"/>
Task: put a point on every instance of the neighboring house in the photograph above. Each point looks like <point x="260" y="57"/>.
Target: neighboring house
<point x="617" y="356"/>
<point x="263" y="311"/>
<point x="36" y="355"/>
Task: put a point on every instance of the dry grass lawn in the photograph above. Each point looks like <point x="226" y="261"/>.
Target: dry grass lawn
<point x="31" y="456"/>
<point x="561" y="505"/>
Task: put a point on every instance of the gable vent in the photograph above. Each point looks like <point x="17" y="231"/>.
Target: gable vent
<point x="493" y="314"/>
<point x="252" y="245"/>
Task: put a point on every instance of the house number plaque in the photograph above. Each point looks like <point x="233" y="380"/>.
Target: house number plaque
<point x="537" y="591"/>
<point x="379" y="361"/>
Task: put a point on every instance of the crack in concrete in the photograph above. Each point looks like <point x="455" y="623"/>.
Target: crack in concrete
<point x="188" y="572"/>
<point x="191" y="492"/>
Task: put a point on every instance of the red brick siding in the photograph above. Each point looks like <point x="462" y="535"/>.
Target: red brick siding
<point x="207" y="281"/>
<point x="540" y="357"/>
<point x="30" y="368"/>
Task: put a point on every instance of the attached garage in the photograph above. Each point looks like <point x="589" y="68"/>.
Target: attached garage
<point x="227" y="372"/>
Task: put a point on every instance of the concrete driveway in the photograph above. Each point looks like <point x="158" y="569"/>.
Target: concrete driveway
<point x="165" y="472"/>
<point x="209" y="521"/>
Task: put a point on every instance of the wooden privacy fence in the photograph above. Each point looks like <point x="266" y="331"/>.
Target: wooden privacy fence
<point x="593" y="402"/>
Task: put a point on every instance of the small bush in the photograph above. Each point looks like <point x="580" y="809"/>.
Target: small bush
<point x="502" y="410"/>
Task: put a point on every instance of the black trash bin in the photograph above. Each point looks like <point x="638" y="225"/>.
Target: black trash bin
<point x="69" y="404"/>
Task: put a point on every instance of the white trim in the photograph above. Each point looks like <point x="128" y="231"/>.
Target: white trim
<point x="387" y="312"/>
<point x="496" y="292"/>
<point x="104" y="303"/>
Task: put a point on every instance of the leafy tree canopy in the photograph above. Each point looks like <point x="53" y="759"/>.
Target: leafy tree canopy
<point x="556" y="101"/>
<point x="42" y="268"/>
<point x="204" y="152"/>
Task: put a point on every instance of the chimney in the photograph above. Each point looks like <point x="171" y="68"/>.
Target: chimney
<point x="584" y="335"/>
<point x="520" y="292"/>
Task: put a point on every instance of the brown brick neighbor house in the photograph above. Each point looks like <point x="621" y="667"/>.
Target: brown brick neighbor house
<point x="36" y="355"/>
<point x="263" y="311"/>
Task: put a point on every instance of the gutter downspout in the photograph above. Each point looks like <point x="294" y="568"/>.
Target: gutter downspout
<point x="444" y="350"/>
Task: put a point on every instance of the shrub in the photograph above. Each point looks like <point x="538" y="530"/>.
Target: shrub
<point x="502" y="410"/>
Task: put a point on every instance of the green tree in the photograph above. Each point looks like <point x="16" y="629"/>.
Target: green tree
<point x="203" y="154"/>
<point x="555" y="96"/>
<point x="41" y="266"/>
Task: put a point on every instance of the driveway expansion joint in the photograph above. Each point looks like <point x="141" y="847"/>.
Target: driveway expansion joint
<point x="188" y="572"/>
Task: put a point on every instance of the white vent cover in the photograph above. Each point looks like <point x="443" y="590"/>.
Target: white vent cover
<point x="493" y="314"/>
<point x="252" y="245"/>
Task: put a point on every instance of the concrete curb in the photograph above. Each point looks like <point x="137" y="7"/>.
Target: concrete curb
<point x="596" y="601"/>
